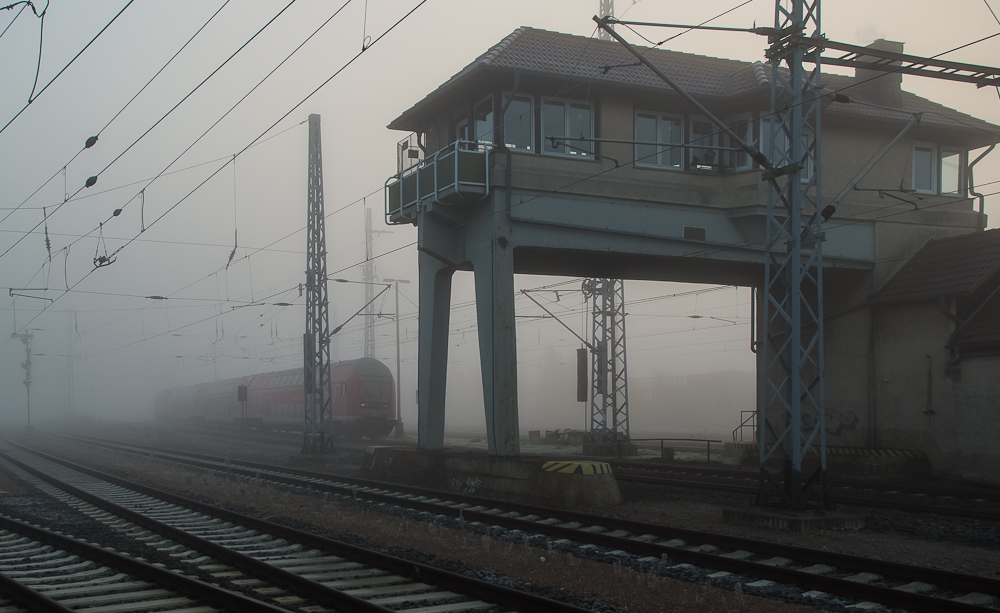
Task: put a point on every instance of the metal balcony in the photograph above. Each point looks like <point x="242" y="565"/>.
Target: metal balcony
<point x="457" y="174"/>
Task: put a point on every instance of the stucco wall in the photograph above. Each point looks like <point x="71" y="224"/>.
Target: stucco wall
<point x="958" y="422"/>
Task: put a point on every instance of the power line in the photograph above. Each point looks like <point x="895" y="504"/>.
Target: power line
<point x="258" y="138"/>
<point x="41" y="91"/>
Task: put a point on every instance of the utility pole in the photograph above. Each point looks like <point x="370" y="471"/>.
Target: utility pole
<point x="70" y="365"/>
<point x="399" y="396"/>
<point x="368" y="277"/>
<point x="609" y="377"/>
<point x="317" y="436"/>
<point x="26" y="365"/>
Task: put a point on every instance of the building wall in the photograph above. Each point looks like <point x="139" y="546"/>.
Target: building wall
<point x="954" y="420"/>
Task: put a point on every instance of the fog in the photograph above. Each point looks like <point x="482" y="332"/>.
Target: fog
<point x="175" y="235"/>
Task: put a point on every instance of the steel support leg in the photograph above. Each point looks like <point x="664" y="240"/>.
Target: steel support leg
<point x="493" y="265"/>
<point x="432" y="366"/>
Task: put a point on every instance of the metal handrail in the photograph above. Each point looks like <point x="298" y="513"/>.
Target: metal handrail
<point x="743" y="424"/>
<point x="708" y="444"/>
<point x="430" y="162"/>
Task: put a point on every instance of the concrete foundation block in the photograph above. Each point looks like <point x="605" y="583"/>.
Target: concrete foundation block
<point x="525" y="479"/>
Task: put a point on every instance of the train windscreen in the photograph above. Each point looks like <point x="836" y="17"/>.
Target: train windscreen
<point x="376" y="392"/>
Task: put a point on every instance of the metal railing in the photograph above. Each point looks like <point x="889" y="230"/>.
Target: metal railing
<point x="708" y="444"/>
<point x="746" y="416"/>
<point x="462" y="164"/>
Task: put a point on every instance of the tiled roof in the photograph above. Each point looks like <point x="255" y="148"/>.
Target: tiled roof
<point x="947" y="267"/>
<point x="541" y="52"/>
<point x="983" y="328"/>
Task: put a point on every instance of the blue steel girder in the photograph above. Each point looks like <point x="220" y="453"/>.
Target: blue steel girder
<point x="793" y="273"/>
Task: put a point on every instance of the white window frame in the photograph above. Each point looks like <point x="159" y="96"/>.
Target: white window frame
<point x="765" y="146"/>
<point x="961" y="170"/>
<point x="680" y="142"/>
<point x="474" y="121"/>
<point x="714" y="145"/>
<point x="531" y="121"/>
<point x="566" y="105"/>
<point x="935" y="167"/>
<point x="742" y="118"/>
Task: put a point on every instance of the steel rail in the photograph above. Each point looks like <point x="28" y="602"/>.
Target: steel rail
<point x="884" y="595"/>
<point x="183" y="584"/>
<point x="476" y="588"/>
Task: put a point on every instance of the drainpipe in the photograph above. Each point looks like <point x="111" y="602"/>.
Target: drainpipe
<point x="972" y="187"/>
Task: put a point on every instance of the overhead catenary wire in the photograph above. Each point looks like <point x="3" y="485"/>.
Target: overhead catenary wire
<point x="991" y="194"/>
<point x="70" y="63"/>
<point x="255" y="140"/>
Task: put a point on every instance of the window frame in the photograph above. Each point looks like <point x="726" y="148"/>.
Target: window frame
<point x="567" y="105"/>
<point x="658" y="117"/>
<point x="713" y="146"/>
<point x="960" y="191"/>
<point x="935" y="167"/>
<point x="765" y="132"/>
<point x="747" y="119"/>
<point x="504" y="96"/>
<point x="484" y="145"/>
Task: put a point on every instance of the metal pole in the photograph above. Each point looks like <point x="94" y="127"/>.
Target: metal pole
<point x="399" y="391"/>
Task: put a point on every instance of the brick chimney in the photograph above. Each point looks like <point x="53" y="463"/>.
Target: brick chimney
<point x="877" y="86"/>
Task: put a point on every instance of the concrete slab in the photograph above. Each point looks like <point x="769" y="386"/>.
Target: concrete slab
<point x="795" y="522"/>
<point x="525" y="479"/>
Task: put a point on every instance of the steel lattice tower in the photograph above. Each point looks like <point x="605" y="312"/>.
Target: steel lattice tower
<point x="368" y="276"/>
<point x="316" y="341"/>
<point x="606" y="9"/>
<point x="609" y="379"/>
<point x="792" y="309"/>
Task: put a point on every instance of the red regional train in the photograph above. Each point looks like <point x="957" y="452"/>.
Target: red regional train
<point x="364" y="400"/>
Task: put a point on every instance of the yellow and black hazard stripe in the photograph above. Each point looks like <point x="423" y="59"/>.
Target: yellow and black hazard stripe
<point x="885" y="453"/>
<point x="577" y="468"/>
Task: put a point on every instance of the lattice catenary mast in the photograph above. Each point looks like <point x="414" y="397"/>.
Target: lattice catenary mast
<point x="609" y="377"/>
<point x="316" y="341"/>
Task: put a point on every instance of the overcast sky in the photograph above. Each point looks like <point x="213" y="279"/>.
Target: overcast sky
<point x="135" y="346"/>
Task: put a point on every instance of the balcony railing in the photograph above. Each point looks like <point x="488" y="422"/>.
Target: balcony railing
<point x="457" y="174"/>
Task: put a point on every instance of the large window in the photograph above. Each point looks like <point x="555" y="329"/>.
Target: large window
<point x="937" y="170"/>
<point x="518" y="127"/>
<point x="778" y="157"/>
<point x="951" y="172"/>
<point x="742" y="127"/>
<point x="702" y="154"/>
<point x="569" y="123"/>
<point x="924" y="171"/>
<point x="483" y="117"/>
<point x="663" y="129"/>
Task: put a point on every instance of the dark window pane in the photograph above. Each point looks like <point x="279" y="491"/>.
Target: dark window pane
<point x="553" y="124"/>
<point x="923" y="169"/>
<point x="645" y="130"/>
<point x="484" y="121"/>
<point x="517" y="124"/>
<point x="580" y="127"/>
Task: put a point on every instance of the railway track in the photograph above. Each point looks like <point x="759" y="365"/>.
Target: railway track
<point x="49" y="572"/>
<point x="880" y="496"/>
<point x="759" y="565"/>
<point x="291" y="567"/>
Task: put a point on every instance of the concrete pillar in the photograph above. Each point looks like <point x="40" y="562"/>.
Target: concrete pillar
<point x="432" y="363"/>
<point x="493" y="265"/>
